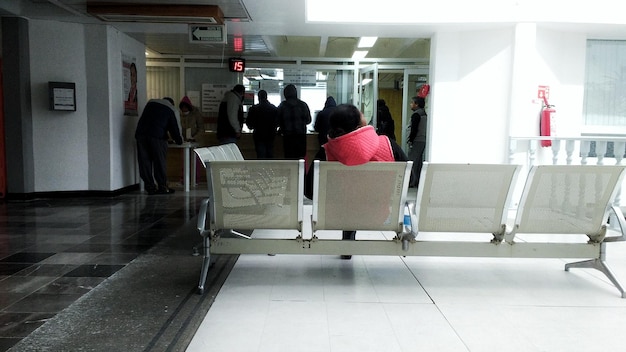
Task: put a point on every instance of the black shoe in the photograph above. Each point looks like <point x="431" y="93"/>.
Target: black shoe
<point x="346" y="257"/>
<point x="165" y="191"/>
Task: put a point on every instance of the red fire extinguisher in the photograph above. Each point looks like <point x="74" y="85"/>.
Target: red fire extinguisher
<point x="423" y="91"/>
<point x="546" y="122"/>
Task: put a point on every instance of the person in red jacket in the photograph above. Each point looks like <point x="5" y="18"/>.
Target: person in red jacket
<point x="351" y="141"/>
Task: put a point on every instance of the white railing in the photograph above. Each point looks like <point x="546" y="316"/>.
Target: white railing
<point x="583" y="150"/>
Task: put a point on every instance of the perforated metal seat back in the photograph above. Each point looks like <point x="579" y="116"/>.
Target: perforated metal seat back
<point x="257" y="194"/>
<point x="219" y="152"/>
<point x="464" y="197"/>
<point x="567" y="199"/>
<point x="224" y="152"/>
<point x="364" y="197"/>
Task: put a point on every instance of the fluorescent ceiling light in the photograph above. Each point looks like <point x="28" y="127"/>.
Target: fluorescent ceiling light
<point x="367" y="42"/>
<point x="366" y="81"/>
<point x="359" y="54"/>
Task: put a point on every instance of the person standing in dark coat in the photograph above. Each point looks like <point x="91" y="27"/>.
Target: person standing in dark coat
<point x="230" y="115"/>
<point x="157" y="120"/>
<point x="385" y="124"/>
<point x="417" y="137"/>
<point x="293" y="117"/>
<point x="263" y="120"/>
<point x="321" y="121"/>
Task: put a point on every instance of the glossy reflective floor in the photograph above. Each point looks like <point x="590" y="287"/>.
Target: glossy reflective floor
<point x="119" y="274"/>
<point x="91" y="254"/>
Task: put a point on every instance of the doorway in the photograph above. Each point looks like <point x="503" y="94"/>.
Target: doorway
<point x="368" y="92"/>
<point x="396" y="86"/>
<point x="413" y="79"/>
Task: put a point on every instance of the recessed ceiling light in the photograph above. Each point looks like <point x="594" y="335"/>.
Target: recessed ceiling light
<point x="367" y="42"/>
<point x="359" y="54"/>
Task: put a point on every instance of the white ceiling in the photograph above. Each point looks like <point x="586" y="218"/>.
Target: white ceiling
<point x="269" y="28"/>
<point x="279" y="29"/>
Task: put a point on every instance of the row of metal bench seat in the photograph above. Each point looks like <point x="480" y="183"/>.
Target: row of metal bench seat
<point x="461" y="210"/>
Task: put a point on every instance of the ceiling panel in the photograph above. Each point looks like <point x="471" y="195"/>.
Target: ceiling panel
<point x="268" y="28"/>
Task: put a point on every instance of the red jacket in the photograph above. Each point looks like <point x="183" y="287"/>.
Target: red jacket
<point x="359" y="147"/>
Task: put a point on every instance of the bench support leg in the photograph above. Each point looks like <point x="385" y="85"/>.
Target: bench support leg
<point x="206" y="262"/>
<point x="598" y="264"/>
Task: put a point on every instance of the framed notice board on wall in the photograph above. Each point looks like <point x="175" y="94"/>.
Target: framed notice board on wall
<point x="62" y="96"/>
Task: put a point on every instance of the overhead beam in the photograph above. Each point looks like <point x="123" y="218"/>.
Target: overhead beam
<point x="323" y="45"/>
<point x="164" y="13"/>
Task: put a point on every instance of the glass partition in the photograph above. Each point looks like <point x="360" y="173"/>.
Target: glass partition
<point x="313" y="85"/>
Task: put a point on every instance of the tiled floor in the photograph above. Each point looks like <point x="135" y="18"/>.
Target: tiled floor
<point x="92" y="256"/>
<point x="371" y="303"/>
<point x="52" y="252"/>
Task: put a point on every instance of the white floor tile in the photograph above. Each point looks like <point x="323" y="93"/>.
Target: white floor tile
<point x="374" y="303"/>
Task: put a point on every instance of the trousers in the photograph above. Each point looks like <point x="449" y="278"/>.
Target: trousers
<point x="151" y="157"/>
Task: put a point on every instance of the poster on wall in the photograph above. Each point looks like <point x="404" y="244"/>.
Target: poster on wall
<point x="305" y="78"/>
<point x="129" y="72"/>
<point x="212" y="95"/>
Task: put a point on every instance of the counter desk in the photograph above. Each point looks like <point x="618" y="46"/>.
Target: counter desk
<point x="184" y="167"/>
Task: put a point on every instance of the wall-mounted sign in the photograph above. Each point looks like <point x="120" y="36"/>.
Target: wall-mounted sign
<point x="203" y="33"/>
<point x="129" y="92"/>
<point x="248" y="98"/>
<point x="543" y="91"/>
<point x="62" y="96"/>
<point x="300" y="77"/>
<point x="212" y="95"/>
<point x="236" y="64"/>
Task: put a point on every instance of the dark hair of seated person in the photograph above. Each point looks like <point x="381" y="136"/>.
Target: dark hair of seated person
<point x="344" y="119"/>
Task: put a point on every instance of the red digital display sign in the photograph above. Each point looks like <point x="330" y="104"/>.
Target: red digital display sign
<point x="236" y="64"/>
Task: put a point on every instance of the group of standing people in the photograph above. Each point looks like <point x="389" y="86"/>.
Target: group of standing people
<point x="289" y="119"/>
<point x="158" y="124"/>
<point x="343" y="134"/>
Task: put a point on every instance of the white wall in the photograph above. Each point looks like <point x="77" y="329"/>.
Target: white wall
<point x="470" y="72"/>
<point x="59" y="138"/>
<point x="98" y="99"/>
<point x="561" y="65"/>
<point x="111" y="133"/>
<point x="485" y="89"/>
<point x="562" y="60"/>
<point x="124" y="169"/>
<point x="92" y="148"/>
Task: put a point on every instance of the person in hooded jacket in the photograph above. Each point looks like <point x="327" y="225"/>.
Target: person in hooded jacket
<point x="293" y="117"/>
<point x="190" y="119"/>
<point x="321" y="121"/>
<point x="385" y="124"/>
<point x="352" y="141"/>
<point x="263" y="120"/>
